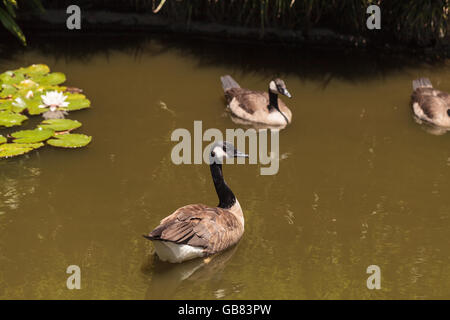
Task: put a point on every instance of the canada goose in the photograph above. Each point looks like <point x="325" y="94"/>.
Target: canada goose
<point x="198" y="230"/>
<point x="257" y="106"/>
<point x="430" y="105"/>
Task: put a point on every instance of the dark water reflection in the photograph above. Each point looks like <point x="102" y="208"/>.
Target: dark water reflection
<point x="360" y="183"/>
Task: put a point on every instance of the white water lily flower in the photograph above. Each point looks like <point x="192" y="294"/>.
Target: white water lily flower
<point x="29" y="95"/>
<point x="18" y="102"/>
<point x="54" y="98"/>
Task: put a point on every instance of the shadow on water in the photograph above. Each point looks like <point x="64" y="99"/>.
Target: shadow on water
<point x="320" y="64"/>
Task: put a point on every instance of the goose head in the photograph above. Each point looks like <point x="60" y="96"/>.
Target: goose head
<point x="224" y="150"/>
<point x="278" y="86"/>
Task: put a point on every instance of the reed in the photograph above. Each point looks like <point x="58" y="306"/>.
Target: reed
<point x="423" y="22"/>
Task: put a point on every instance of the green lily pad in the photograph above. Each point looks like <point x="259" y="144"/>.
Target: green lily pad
<point x="9" y="119"/>
<point x="17" y="106"/>
<point x="75" y="96"/>
<point x="70" y="140"/>
<point x="32" y="136"/>
<point x="5" y="105"/>
<point x="60" y="124"/>
<point x="2" y="139"/>
<point x="35" y="70"/>
<point x="8" y="150"/>
<point x="78" y="104"/>
<point x="11" y="77"/>
<point x="51" y="79"/>
<point x="33" y="106"/>
<point x="7" y="90"/>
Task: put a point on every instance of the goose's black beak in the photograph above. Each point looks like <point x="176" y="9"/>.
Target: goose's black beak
<point x="286" y="93"/>
<point x="238" y="154"/>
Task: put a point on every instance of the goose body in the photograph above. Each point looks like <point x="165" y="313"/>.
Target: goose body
<point x="198" y="230"/>
<point x="430" y="105"/>
<point x="258" y="106"/>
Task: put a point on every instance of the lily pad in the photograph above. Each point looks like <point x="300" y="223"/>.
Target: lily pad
<point x="35" y="69"/>
<point x="75" y="96"/>
<point x="5" y="105"/>
<point x="7" y="90"/>
<point x="78" y="104"/>
<point x="8" y="150"/>
<point x="9" y="119"/>
<point x="32" y="136"/>
<point x="2" y="139"/>
<point x="70" y="140"/>
<point x="51" y="79"/>
<point x="60" y="124"/>
<point x="33" y="106"/>
<point x="11" y="77"/>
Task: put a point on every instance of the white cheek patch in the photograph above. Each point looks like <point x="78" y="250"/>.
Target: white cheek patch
<point x="220" y="154"/>
<point x="273" y="86"/>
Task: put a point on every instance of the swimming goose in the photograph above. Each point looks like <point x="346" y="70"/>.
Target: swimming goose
<point x="257" y="106"/>
<point x="430" y="105"/>
<point x="198" y="230"/>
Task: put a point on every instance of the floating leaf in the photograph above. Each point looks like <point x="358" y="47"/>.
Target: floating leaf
<point x="70" y="140"/>
<point x="5" y="105"/>
<point x="2" y="139"/>
<point x="33" y="106"/>
<point x="78" y="104"/>
<point x="35" y="70"/>
<point x="9" y="119"/>
<point x="15" y="149"/>
<point x="11" y="77"/>
<point x="75" y="96"/>
<point x="51" y="79"/>
<point x="32" y="136"/>
<point x="60" y="124"/>
<point x="7" y="90"/>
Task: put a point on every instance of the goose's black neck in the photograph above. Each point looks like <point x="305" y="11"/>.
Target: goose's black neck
<point x="226" y="196"/>
<point x="273" y="100"/>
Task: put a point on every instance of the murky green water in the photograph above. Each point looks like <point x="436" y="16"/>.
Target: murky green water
<point x="360" y="183"/>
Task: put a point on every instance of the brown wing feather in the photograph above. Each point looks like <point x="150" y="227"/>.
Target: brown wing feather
<point x="434" y="103"/>
<point x="252" y="101"/>
<point x="213" y="229"/>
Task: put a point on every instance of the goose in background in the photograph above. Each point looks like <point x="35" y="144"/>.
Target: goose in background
<point x="257" y="106"/>
<point x="430" y="105"/>
<point x="198" y="230"/>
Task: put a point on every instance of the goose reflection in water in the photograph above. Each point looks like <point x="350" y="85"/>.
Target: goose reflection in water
<point x="166" y="277"/>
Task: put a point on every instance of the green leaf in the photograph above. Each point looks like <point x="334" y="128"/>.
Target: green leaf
<point x="33" y="106"/>
<point x="60" y="124"/>
<point x="70" y="140"/>
<point x="5" y="105"/>
<point x="9" y="119"/>
<point x="9" y="23"/>
<point x="32" y="136"/>
<point x="11" y="77"/>
<point x="35" y="70"/>
<point x="78" y="104"/>
<point x="8" y="150"/>
<point x="7" y="90"/>
<point x="2" y="139"/>
<point x="50" y="79"/>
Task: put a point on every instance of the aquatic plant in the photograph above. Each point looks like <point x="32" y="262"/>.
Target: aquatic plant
<point x="35" y="90"/>
<point x="419" y="22"/>
<point x="8" y="14"/>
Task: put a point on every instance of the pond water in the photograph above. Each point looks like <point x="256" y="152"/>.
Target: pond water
<point x="360" y="183"/>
